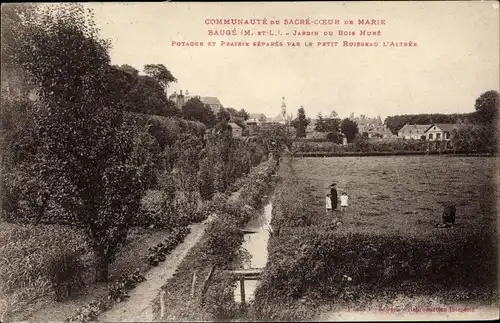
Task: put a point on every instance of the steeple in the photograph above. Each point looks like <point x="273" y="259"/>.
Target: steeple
<point x="283" y="108"/>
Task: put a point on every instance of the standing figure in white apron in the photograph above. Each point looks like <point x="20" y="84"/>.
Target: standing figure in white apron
<point x="343" y="202"/>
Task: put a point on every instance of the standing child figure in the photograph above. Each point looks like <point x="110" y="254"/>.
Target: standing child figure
<point x="343" y="201"/>
<point x="328" y="203"/>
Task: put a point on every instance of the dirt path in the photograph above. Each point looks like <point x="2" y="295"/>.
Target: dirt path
<point x="138" y="307"/>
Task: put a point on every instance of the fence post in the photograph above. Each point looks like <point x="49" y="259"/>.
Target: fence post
<point x="193" y="284"/>
<point x="242" y="290"/>
<point x="162" y="304"/>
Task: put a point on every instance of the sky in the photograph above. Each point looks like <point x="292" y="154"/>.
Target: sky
<point x="456" y="58"/>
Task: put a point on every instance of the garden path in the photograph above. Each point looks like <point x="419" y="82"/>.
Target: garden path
<point x="138" y="307"/>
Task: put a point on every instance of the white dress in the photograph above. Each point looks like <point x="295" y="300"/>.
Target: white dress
<point x="343" y="200"/>
<point x="328" y="203"/>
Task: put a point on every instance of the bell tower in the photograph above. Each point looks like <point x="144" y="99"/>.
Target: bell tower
<point x="283" y="108"/>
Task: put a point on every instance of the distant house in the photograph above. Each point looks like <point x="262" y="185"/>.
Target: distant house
<point x="374" y="131"/>
<point x="181" y="99"/>
<point x="439" y="132"/>
<point x="256" y="119"/>
<point x="413" y="131"/>
<point x="237" y="130"/>
<point x="212" y="102"/>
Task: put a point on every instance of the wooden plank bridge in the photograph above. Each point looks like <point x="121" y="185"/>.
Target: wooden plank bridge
<point x="245" y="274"/>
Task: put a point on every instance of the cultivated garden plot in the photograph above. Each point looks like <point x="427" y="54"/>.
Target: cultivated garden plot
<point x="385" y="247"/>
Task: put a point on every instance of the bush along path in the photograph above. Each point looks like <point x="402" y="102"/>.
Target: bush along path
<point x="119" y="290"/>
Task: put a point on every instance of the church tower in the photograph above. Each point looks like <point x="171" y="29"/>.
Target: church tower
<point x="283" y="109"/>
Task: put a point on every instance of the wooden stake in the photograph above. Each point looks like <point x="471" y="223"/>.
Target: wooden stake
<point x="162" y="304"/>
<point x="193" y="284"/>
<point x="242" y="290"/>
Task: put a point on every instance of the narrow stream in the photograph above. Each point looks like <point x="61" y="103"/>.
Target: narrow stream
<point x="256" y="245"/>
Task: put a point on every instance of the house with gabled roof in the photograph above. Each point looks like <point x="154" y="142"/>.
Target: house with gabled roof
<point x="236" y="129"/>
<point x="413" y="131"/>
<point x="256" y="118"/>
<point x="439" y="132"/>
<point x="212" y="102"/>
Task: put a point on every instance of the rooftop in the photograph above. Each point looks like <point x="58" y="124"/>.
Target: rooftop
<point x="443" y="126"/>
<point x="210" y="100"/>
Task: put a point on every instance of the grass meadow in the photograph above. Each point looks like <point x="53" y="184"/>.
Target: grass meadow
<point x="403" y="195"/>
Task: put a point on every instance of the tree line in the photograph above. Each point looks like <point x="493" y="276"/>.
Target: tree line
<point x="475" y="129"/>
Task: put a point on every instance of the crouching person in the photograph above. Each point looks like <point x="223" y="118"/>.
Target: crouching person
<point x="448" y="217"/>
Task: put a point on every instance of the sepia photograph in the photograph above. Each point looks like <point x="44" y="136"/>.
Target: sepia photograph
<point x="249" y="161"/>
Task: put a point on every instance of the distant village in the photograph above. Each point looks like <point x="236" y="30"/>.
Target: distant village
<point x="370" y="127"/>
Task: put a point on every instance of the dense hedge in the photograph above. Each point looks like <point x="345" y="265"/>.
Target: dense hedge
<point x="166" y="130"/>
<point x="362" y="145"/>
<point x="220" y="246"/>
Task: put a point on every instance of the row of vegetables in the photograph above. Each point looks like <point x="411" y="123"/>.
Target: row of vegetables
<point x="118" y="291"/>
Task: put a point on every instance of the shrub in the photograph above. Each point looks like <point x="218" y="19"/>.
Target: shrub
<point x="37" y="260"/>
<point x="65" y="270"/>
<point x="219" y="301"/>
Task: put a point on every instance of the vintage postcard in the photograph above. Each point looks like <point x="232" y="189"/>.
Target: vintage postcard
<point x="249" y="161"/>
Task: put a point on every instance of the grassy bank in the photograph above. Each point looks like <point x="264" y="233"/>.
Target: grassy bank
<point x="220" y="246"/>
<point x="385" y="246"/>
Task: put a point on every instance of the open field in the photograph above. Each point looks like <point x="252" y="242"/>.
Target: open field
<point x="403" y="195"/>
<point x="386" y="249"/>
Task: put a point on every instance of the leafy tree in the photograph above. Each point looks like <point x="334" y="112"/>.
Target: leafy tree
<point x="487" y="107"/>
<point x="301" y="122"/>
<point x="244" y="114"/>
<point x="206" y="179"/>
<point x="223" y="118"/>
<point x="84" y="164"/>
<point x="474" y="137"/>
<point x="147" y="96"/>
<point x="15" y="20"/>
<point x="223" y="115"/>
<point x="187" y="149"/>
<point x="161" y="74"/>
<point x="195" y="110"/>
<point x="275" y="136"/>
<point x="327" y="124"/>
<point x="334" y="137"/>
<point x="320" y="123"/>
<point x="333" y="115"/>
<point x="331" y="125"/>
<point x="349" y="128"/>
<point x="129" y="69"/>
